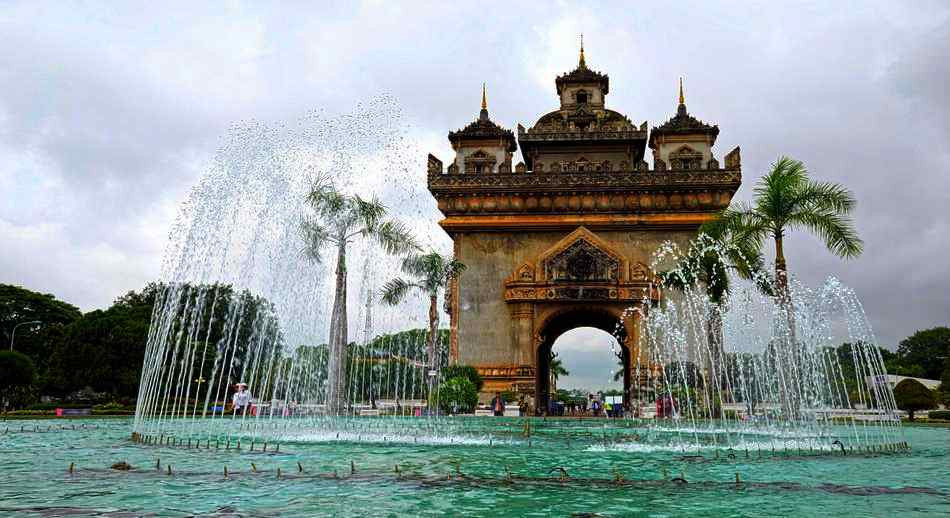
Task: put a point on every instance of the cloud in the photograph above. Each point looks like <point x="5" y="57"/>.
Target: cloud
<point x="110" y="113"/>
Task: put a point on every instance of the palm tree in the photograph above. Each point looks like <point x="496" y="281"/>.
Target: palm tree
<point x="787" y="199"/>
<point x="556" y="369"/>
<point x="338" y="220"/>
<point x="431" y="273"/>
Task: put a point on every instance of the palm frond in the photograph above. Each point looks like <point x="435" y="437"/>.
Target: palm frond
<point x="395" y="290"/>
<point x="825" y="196"/>
<point x="315" y="237"/>
<point x="368" y="212"/>
<point x="325" y="198"/>
<point x="394" y="237"/>
<point x="453" y="269"/>
<point x="420" y="265"/>
<point x="836" y="230"/>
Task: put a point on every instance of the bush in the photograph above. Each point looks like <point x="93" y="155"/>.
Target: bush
<point x="463" y="371"/>
<point x="457" y="395"/>
<point x="943" y="415"/>
<point x="912" y="396"/>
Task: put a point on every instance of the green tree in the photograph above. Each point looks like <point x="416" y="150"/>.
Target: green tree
<point x="457" y="395"/>
<point x="431" y="273"/>
<point x="929" y="349"/>
<point x="337" y="221"/>
<point x="912" y="396"/>
<point x="16" y="372"/>
<point x="103" y="350"/>
<point x="18" y="305"/>
<point x="464" y="371"/>
<point x="556" y="370"/>
<point x="945" y="383"/>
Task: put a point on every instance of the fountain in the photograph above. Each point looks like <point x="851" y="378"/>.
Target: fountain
<point x="738" y="369"/>
<point x="241" y="302"/>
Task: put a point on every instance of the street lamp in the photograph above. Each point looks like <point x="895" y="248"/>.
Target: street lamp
<point x="13" y="334"/>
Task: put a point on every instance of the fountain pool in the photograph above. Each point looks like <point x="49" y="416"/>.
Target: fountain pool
<point x="511" y="476"/>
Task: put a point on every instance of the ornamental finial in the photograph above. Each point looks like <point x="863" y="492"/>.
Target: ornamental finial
<point x="484" y="98"/>
<point x="581" y="62"/>
<point x="682" y="98"/>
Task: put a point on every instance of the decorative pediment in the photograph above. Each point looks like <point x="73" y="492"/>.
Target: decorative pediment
<point x="581" y="256"/>
<point x="582" y="261"/>
<point x="579" y="267"/>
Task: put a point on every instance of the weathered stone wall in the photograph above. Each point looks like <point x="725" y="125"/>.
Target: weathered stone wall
<point x="485" y="327"/>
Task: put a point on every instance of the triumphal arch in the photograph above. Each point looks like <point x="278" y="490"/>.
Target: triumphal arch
<point x="563" y="238"/>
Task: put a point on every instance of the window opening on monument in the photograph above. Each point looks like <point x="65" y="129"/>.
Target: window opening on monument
<point x="581" y="97"/>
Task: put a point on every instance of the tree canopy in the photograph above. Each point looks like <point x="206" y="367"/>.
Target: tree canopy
<point x="930" y="349"/>
<point x="913" y="396"/>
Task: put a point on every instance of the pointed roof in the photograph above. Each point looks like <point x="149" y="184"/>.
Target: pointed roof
<point x="582" y="74"/>
<point x="484" y="128"/>
<point x="683" y="123"/>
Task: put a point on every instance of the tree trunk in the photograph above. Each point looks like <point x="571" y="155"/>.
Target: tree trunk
<point x="338" y="336"/>
<point x="791" y="354"/>
<point x="433" y="337"/>
<point x="714" y="368"/>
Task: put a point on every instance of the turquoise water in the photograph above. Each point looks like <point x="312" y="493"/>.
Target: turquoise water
<point x="35" y="478"/>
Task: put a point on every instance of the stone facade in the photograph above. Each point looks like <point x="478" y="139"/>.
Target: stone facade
<point x="563" y="239"/>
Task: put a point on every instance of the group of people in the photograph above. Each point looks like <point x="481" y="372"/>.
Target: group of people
<point x="595" y="406"/>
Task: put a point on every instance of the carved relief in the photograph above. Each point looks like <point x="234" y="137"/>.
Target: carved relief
<point x="434" y="165"/>
<point x="582" y="261"/>
<point x="732" y="159"/>
<point x="686" y="158"/>
<point x="480" y="162"/>
<point x="640" y="272"/>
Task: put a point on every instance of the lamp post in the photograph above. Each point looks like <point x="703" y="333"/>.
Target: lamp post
<point x="13" y="334"/>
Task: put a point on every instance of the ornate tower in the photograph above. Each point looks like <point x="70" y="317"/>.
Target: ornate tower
<point x="564" y="239"/>
<point x="482" y="147"/>
<point x="683" y="142"/>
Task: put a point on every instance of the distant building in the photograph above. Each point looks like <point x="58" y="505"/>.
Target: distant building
<point x="893" y="380"/>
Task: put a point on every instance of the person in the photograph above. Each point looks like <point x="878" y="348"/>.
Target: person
<point x="241" y="400"/>
<point x="498" y="404"/>
<point x="608" y="409"/>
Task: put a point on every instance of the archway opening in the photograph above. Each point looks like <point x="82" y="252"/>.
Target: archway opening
<point x="592" y="343"/>
<point x="585" y="361"/>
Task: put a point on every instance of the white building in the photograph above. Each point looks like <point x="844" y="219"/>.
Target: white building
<point x="893" y="380"/>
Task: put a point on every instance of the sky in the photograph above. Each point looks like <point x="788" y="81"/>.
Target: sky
<point x="110" y="112"/>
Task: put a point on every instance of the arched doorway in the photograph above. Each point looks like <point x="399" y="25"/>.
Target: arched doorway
<point x="566" y="320"/>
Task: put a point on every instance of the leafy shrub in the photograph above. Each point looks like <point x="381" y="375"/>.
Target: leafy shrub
<point x="31" y="412"/>
<point x="457" y="395"/>
<point x="940" y="414"/>
<point x="463" y="371"/>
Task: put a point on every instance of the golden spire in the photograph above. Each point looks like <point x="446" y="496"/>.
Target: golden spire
<point x="581" y="62"/>
<point x="484" y="98"/>
<point x="682" y="99"/>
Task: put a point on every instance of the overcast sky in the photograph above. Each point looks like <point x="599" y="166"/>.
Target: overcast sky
<point x="110" y="112"/>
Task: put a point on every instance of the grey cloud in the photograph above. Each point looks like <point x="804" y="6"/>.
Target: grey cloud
<point x="109" y="113"/>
